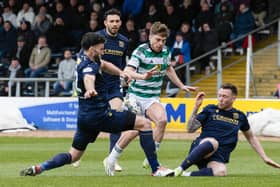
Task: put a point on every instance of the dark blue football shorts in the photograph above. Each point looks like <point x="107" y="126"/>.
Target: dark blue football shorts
<point x="89" y="126"/>
<point x="115" y="91"/>
<point x="221" y="155"/>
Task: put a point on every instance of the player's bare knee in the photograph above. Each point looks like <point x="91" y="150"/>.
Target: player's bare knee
<point x="161" y="123"/>
<point x="142" y="123"/>
<point x="218" y="168"/>
<point x="220" y="172"/>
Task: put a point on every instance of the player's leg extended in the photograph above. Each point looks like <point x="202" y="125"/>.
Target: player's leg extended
<point x="157" y="114"/>
<point x="206" y="148"/>
<point x="116" y="104"/>
<point x="57" y="161"/>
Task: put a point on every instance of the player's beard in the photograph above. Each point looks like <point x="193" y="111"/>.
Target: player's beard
<point x="113" y="32"/>
<point x="96" y="58"/>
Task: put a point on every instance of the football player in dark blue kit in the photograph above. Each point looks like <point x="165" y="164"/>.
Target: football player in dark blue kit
<point x="95" y="114"/>
<point x="115" y="49"/>
<point x="219" y="135"/>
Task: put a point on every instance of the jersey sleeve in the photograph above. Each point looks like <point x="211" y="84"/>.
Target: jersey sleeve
<point x="244" y="123"/>
<point x="135" y="58"/>
<point x="203" y="115"/>
<point x="90" y="69"/>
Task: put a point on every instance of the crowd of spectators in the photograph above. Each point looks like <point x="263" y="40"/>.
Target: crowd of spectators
<point x="196" y="26"/>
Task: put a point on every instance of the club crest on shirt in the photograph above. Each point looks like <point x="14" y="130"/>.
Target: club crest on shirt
<point x="87" y="69"/>
<point x="158" y="67"/>
<point x="235" y="115"/>
<point x="121" y="43"/>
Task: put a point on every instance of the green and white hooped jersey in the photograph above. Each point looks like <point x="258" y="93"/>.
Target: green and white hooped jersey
<point x="144" y="59"/>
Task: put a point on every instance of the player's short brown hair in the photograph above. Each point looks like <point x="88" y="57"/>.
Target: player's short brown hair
<point x="231" y="87"/>
<point x="159" y="28"/>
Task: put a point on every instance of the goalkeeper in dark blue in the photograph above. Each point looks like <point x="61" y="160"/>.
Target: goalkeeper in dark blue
<point x="220" y="125"/>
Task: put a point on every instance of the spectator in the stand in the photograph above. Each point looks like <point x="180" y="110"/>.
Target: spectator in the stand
<point x="180" y="50"/>
<point x="227" y="3"/>
<point x="132" y="35"/>
<point x="187" y="32"/>
<point x="8" y="38"/>
<point x="244" y="22"/>
<point x="93" y="26"/>
<point x="132" y="8"/>
<point x="109" y="4"/>
<point x="26" y="13"/>
<point x="277" y="92"/>
<point x="9" y="15"/>
<point x="223" y="23"/>
<point x="28" y="34"/>
<point x="60" y="12"/>
<point x="187" y="11"/>
<point x="22" y="52"/>
<point x="236" y="4"/>
<point x="43" y="10"/>
<point x="14" y="5"/>
<point x="66" y="75"/>
<point x="259" y="10"/>
<point x="173" y="21"/>
<point x="97" y="7"/>
<point x="152" y="14"/>
<point x="78" y="23"/>
<point x="39" y="59"/>
<point x="143" y="36"/>
<point x="181" y="53"/>
<point x="205" y="16"/>
<point x="205" y="41"/>
<point x="94" y="16"/>
<point x="58" y="36"/>
<point x="14" y="70"/>
<point x="42" y="25"/>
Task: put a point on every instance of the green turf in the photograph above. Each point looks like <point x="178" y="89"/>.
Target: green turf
<point x="245" y="169"/>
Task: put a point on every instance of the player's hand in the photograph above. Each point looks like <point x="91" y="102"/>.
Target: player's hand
<point x="90" y="93"/>
<point x="270" y="162"/>
<point x="150" y="73"/>
<point x="126" y="77"/>
<point x="189" y="88"/>
<point x="199" y="99"/>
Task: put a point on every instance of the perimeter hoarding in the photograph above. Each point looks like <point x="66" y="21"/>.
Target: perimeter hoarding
<point x="61" y="113"/>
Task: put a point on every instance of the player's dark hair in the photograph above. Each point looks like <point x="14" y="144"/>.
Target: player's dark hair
<point x="159" y="28"/>
<point x="230" y="87"/>
<point x="90" y="39"/>
<point x="112" y="11"/>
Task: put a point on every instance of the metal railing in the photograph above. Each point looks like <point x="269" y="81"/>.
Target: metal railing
<point x="218" y="51"/>
<point x="19" y="81"/>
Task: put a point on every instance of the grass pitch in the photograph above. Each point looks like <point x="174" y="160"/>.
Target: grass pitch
<point x="245" y="168"/>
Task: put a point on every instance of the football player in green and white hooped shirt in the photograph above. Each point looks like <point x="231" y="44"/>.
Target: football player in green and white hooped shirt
<point x="146" y="93"/>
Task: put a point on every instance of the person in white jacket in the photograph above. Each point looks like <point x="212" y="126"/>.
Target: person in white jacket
<point x="26" y="13"/>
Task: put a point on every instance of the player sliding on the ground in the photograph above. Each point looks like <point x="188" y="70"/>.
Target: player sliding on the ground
<point x="220" y="125"/>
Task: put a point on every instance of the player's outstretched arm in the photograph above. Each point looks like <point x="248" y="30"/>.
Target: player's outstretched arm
<point x="89" y="82"/>
<point x="170" y="72"/>
<point x="256" y="145"/>
<point x="193" y="123"/>
<point x="134" y="75"/>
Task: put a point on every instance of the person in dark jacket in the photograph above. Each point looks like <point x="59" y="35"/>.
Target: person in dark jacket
<point x="8" y="39"/>
<point x="244" y="23"/>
